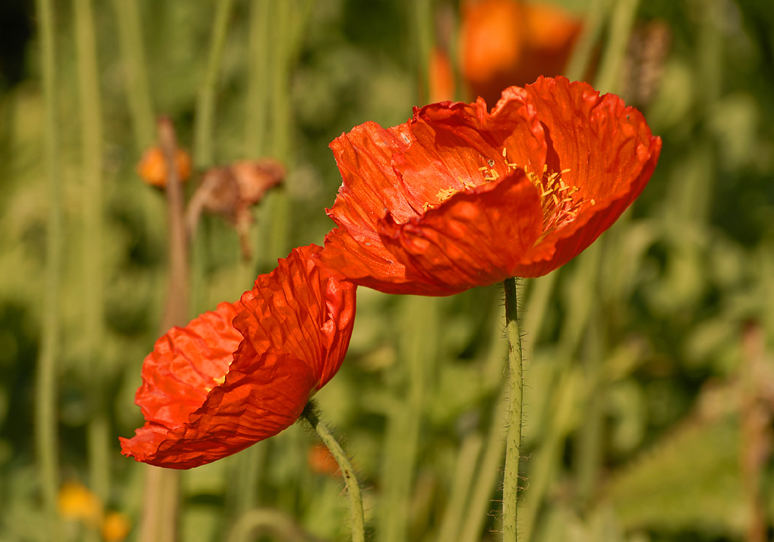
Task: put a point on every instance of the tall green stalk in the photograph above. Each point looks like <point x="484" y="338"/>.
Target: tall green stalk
<point x="462" y="479"/>
<point x="578" y="66"/>
<point x="45" y="413"/>
<point x="203" y="136"/>
<point x="488" y="474"/>
<point x="257" y="98"/>
<point x="135" y="74"/>
<point x="278" y="203"/>
<point x="418" y="352"/>
<point x="621" y="23"/>
<point x="93" y="227"/>
<point x="515" y="421"/>
<point x="205" y="103"/>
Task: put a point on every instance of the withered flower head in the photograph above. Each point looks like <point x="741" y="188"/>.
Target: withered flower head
<point x="230" y="191"/>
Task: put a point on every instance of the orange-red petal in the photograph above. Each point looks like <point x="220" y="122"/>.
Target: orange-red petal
<point x="245" y="371"/>
<point x="475" y="237"/>
<point x="416" y="211"/>
<point x="606" y="150"/>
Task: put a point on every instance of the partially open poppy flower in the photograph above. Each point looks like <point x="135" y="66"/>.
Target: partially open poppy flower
<point x="245" y="371"/>
<point x="459" y="196"/>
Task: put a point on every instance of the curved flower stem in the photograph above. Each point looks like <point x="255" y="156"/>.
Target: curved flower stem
<point x="515" y="389"/>
<point x="353" y="488"/>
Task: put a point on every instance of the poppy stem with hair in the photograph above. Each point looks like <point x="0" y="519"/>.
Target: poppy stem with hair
<point x="515" y="395"/>
<point x="353" y="487"/>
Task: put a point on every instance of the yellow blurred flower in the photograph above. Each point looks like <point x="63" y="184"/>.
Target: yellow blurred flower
<point x="76" y="502"/>
<point x="115" y="527"/>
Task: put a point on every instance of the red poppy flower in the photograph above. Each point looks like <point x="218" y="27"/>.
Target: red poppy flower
<point x="245" y="371"/>
<point x="460" y="196"/>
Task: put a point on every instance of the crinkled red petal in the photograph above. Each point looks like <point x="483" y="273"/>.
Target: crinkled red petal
<point x="301" y="309"/>
<point x="262" y="395"/>
<point x="606" y="150"/>
<point x="447" y="151"/>
<point x="414" y="166"/>
<point x="246" y="369"/>
<point x="474" y="238"/>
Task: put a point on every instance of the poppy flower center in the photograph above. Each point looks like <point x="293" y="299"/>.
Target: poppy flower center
<point x="217" y="382"/>
<point x="557" y="198"/>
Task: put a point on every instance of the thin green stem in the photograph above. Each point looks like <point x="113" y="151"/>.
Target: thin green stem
<point x="280" y="98"/>
<point x="203" y="151"/>
<point x="458" y="502"/>
<point x="350" y="480"/>
<point x="205" y="103"/>
<point x="544" y="468"/>
<point x="256" y="124"/>
<point x="590" y="439"/>
<point x="278" y="202"/>
<point x="578" y="66"/>
<point x="135" y="74"/>
<point x="537" y="304"/>
<point x="423" y="19"/>
<point x="93" y="226"/>
<point x="488" y="473"/>
<point x="45" y="413"/>
<point x="418" y="348"/>
<point x="515" y="391"/>
<point x="621" y="23"/>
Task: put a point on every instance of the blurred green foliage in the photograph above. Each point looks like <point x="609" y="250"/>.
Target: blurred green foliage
<point x="636" y="355"/>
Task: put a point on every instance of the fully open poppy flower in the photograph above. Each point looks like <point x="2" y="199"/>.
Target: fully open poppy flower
<point x="245" y="371"/>
<point x="459" y="196"/>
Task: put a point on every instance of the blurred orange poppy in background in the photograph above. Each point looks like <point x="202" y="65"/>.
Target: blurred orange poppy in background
<point x="459" y="196"/>
<point x="153" y="168"/>
<point x="507" y="42"/>
<point x="245" y="371"/>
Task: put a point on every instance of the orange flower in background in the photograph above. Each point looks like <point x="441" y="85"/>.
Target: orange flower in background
<point x="153" y="169"/>
<point x="321" y="461"/>
<point x="459" y="196"/>
<point x="507" y="42"/>
<point x="244" y="372"/>
<point x="441" y="76"/>
<point x="115" y="527"/>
